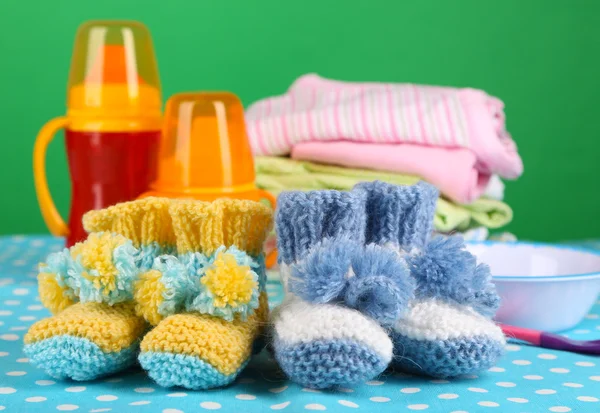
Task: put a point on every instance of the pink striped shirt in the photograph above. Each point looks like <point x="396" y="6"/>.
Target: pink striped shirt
<point x="317" y="109"/>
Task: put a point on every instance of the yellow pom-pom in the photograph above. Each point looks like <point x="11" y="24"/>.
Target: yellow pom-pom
<point x="52" y="295"/>
<point x="230" y="284"/>
<point x="148" y="296"/>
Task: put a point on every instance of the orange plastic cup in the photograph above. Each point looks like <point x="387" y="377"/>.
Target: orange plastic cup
<point x="205" y="153"/>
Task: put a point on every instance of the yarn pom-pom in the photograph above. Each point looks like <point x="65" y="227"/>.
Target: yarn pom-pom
<point x="228" y="285"/>
<point x="380" y="286"/>
<point x="55" y="293"/>
<point x="321" y="276"/>
<point x="103" y="268"/>
<point x="446" y="270"/>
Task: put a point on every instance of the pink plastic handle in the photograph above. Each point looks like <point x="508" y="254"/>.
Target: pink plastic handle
<point x="531" y="336"/>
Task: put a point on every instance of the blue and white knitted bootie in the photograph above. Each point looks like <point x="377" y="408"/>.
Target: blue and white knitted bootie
<point x="328" y="331"/>
<point x="448" y="330"/>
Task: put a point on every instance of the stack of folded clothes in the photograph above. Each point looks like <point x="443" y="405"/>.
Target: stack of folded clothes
<point x="325" y="134"/>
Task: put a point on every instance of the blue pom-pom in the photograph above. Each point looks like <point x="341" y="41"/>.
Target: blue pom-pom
<point x="381" y="287"/>
<point x="322" y="275"/>
<point x="446" y="270"/>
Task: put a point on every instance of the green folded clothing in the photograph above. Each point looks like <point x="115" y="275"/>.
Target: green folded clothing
<point x="277" y="174"/>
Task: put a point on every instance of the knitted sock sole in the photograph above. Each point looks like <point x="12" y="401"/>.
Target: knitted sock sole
<point x="76" y="358"/>
<point x="328" y="363"/>
<point x="199" y="351"/>
<point x="191" y="372"/>
<point x="446" y="358"/>
<point x="445" y="340"/>
<point x="86" y="341"/>
<point x="325" y="345"/>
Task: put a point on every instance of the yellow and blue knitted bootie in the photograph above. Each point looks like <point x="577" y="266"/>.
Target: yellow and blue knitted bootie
<point x="209" y="302"/>
<point x="89" y="289"/>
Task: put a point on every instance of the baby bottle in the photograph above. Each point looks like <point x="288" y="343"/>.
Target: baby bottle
<point x="112" y="126"/>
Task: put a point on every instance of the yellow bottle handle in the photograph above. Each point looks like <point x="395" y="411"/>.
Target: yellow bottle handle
<point x="53" y="220"/>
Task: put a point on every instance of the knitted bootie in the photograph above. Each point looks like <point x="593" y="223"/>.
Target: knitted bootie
<point x="89" y="287"/>
<point x="327" y="332"/>
<point x="448" y="329"/>
<point x="209" y="302"/>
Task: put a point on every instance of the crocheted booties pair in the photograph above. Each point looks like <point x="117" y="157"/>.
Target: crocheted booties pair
<point x="359" y="264"/>
<point x="193" y="270"/>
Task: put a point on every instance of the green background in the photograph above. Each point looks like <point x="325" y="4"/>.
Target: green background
<point x="542" y="57"/>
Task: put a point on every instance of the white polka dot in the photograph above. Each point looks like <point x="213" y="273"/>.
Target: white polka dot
<point x="280" y="406"/>
<point x="418" y="406"/>
<point x="379" y="399"/>
<point x="67" y="407"/>
<point x="9" y="337"/>
<point x="313" y="406"/>
<point x="585" y="364"/>
<point x="18" y="328"/>
<point x="172" y="411"/>
<point x="21" y="291"/>
<point x="477" y="390"/>
<point x="278" y="389"/>
<point x="517" y="400"/>
<point x="559" y="370"/>
<point x="19" y="263"/>
<point x="177" y="395"/>
<point x="100" y="410"/>
<point x="587" y="399"/>
<point x="505" y="384"/>
<point x="210" y="405"/>
<point x="375" y="383"/>
<point x="512" y="347"/>
<point x="439" y="381"/>
<point x="560" y="409"/>
<point x="521" y="362"/>
<point x="6" y="281"/>
<point x="5" y="313"/>
<point x="75" y="389"/>
<point x="345" y="390"/>
<point x="2" y="408"/>
<point x="469" y="376"/>
<point x="35" y="399"/>
<point x="459" y="411"/>
<point x="245" y="397"/>
<point x="16" y="373"/>
<point x="12" y="302"/>
<point x="581" y="331"/>
<point x="497" y="369"/>
<point x="573" y="385"/>
<point x="3" y="353"/>
<point x="547" y="356"/>
<point x="545" y="391"/>
<point x="533" y="377"/>
<point x="140" y="403"/>
<point x="448" y="396"/>
<point x="27" y="318"/>
<point x="7" y="390"/>
<point x="23" y="360"/>
<point x="410" y="390"/>
<point x="308" y="390"/>
<point x="106" y="398"/>
<point x="595" y="378"/>
<point x="35" y="307"/>
<point x="488" y="404"/>
<point x="45" y="382"/>
<point x="348" y="403"/>
<point x="592" y="316"/>
<point x="143" y="390"/>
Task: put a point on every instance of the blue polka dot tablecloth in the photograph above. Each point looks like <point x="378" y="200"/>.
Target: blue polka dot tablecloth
<point x="527" y="379"/>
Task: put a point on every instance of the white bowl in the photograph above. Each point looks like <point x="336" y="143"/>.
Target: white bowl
<point x="542" y="286"/>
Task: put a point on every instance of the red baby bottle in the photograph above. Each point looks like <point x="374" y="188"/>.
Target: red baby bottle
<point x="112" y="127"/>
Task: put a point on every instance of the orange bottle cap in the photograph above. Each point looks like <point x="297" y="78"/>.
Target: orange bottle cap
<point x="205" y="153"/>
<point x="113" y="82"/>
